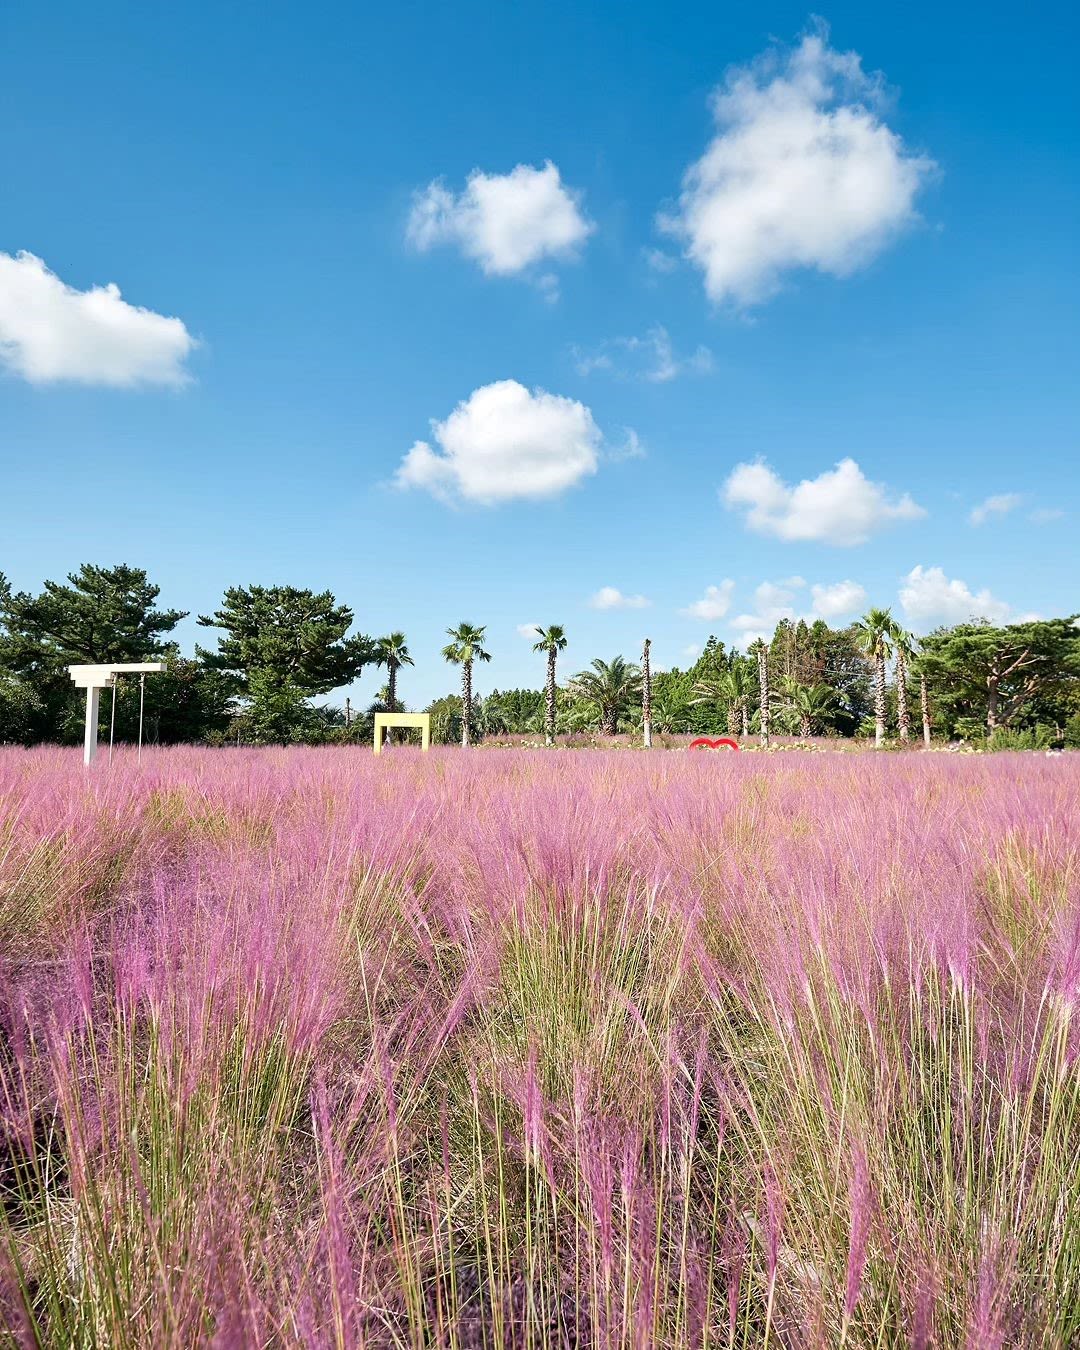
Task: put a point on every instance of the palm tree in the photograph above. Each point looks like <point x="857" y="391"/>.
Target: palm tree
<point x="466" y="645"/>
<point x="552" y="640"/>
<point x="924" y="703"/>
<point x="610" y="686"/>
<point x="872" y="634"/>
<point x="760" y="651"/>
<point x="811" y="704"/>
<point x="391" y="652"/>
<point x="646" y="695"/>
<point x="732" y="687"/>
<point x="905" y="645"/>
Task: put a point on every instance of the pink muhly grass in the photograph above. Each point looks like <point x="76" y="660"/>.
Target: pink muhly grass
<point x="862" y="1205"/>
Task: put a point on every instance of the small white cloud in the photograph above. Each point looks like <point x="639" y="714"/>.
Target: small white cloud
<point x="652" y="358"/>
<point x="609" y="597"/>
<point x="692" y="651"/>
<point x="714" y="604"/>
<point x="528" y="630"/>
<point x="1044" y="515"/>
<point x="837" y="600"/>
<point x="928" y="597"/>
<point x="631" y="448"/>
<point x="999" y="505"/>
<point x="505" y="442"/>
<point x="841" y="506"/>
<point x="504" y="222"/>
<point x="802" y="173"/>
<point x="660" y="261"/>
<point x="49" y="331"/>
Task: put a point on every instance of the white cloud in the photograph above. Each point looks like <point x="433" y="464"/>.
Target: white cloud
<point x="505" y="222"/>
<point x="528" y="630"/>
<point x="609" y="597"/>
<point x="928" y="598"/>
<point x="773" y="601"/>
<point x="652" y="358"/>
<point x="841" y="506"/>
<point x="50" y="331"/>
<point x="776" y="600"/>
<point x="802" y="172"/>
<point x="998" y="505"/>
<point x="1043" y="515"/>
<point x="660" y="261"/>
<point x="631" y="448"/>
<point x="692" y="651"/>
<point x="504" y="442"/>
<point x="714" y="604"/>
<point x="837" y="600"/>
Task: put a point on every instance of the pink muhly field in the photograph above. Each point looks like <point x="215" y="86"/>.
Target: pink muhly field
<point x="305" y="1048"/>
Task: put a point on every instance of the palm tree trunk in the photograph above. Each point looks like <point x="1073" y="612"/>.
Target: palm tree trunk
<point x="763" y="690"/>
<point x="879" y="698"/>
<point x="466" y="702"/>
<point x="549" y="710"/>
<point x="903" y="716"/>
<point x="805" y="729"/>
<point x="732" y="718"/>
<point x="646" y="696"/>
<point x="391" y="697"/>
<point x="745" y="706"/>
<point x="924" y="699"/>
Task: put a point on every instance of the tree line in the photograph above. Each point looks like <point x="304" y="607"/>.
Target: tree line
<point x="279" y="648"/>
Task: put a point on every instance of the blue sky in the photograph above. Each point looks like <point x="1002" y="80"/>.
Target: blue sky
<point x="620" y="368"/>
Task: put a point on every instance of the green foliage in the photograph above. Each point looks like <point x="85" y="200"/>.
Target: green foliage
<point x="1072" y="732"/>
<point x="512" y="712"/>
<point x="1000" y="675"/>
<point x="100" y="615"/>
<point x="281" y="646"/>
<point x="1038" y="737"/>
<point x="20" y="710"/>
<point x="446" y="719"/>
<point x="608" y="689"/>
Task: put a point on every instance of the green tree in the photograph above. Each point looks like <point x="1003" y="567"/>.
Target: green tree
<point x="552" y="641"/>
<point x="281" y="646"/>
<point x="393" y="653"/>
<point x="466" y="645"/>
<point x="608" y="688"/>
<point x="646" y="694"/>
<point x="732" y="690"/>
<point x="811" y="704"/>
<point x="904" y="646"/>
<point x="998" y="674"/>
<point x="760" y="652"/>
<point x="873" y="633"/>
<point x="101" y="615"/>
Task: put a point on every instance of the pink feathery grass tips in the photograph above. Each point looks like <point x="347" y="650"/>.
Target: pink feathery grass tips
<point x="589" y="1050"/>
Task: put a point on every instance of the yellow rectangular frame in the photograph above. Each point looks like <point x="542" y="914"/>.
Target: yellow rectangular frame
<point x="385" y="720"/>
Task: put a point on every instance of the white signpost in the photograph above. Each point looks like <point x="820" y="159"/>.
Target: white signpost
<point x="96" y="678"/>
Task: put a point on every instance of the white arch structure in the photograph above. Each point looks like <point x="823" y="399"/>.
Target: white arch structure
<point x="96" y="678"/>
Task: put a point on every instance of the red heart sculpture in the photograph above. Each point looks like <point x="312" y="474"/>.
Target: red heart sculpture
<point x="703" y="743"/>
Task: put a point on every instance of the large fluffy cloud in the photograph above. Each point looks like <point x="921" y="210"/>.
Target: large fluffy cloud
<point x="49" y="331"/>
<point x="504" y="442"/>
<point x="802" y="172"/>
<point x="505" y="222"/>
<point x="928" y="598"/>
<point x="840" y="506"/>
